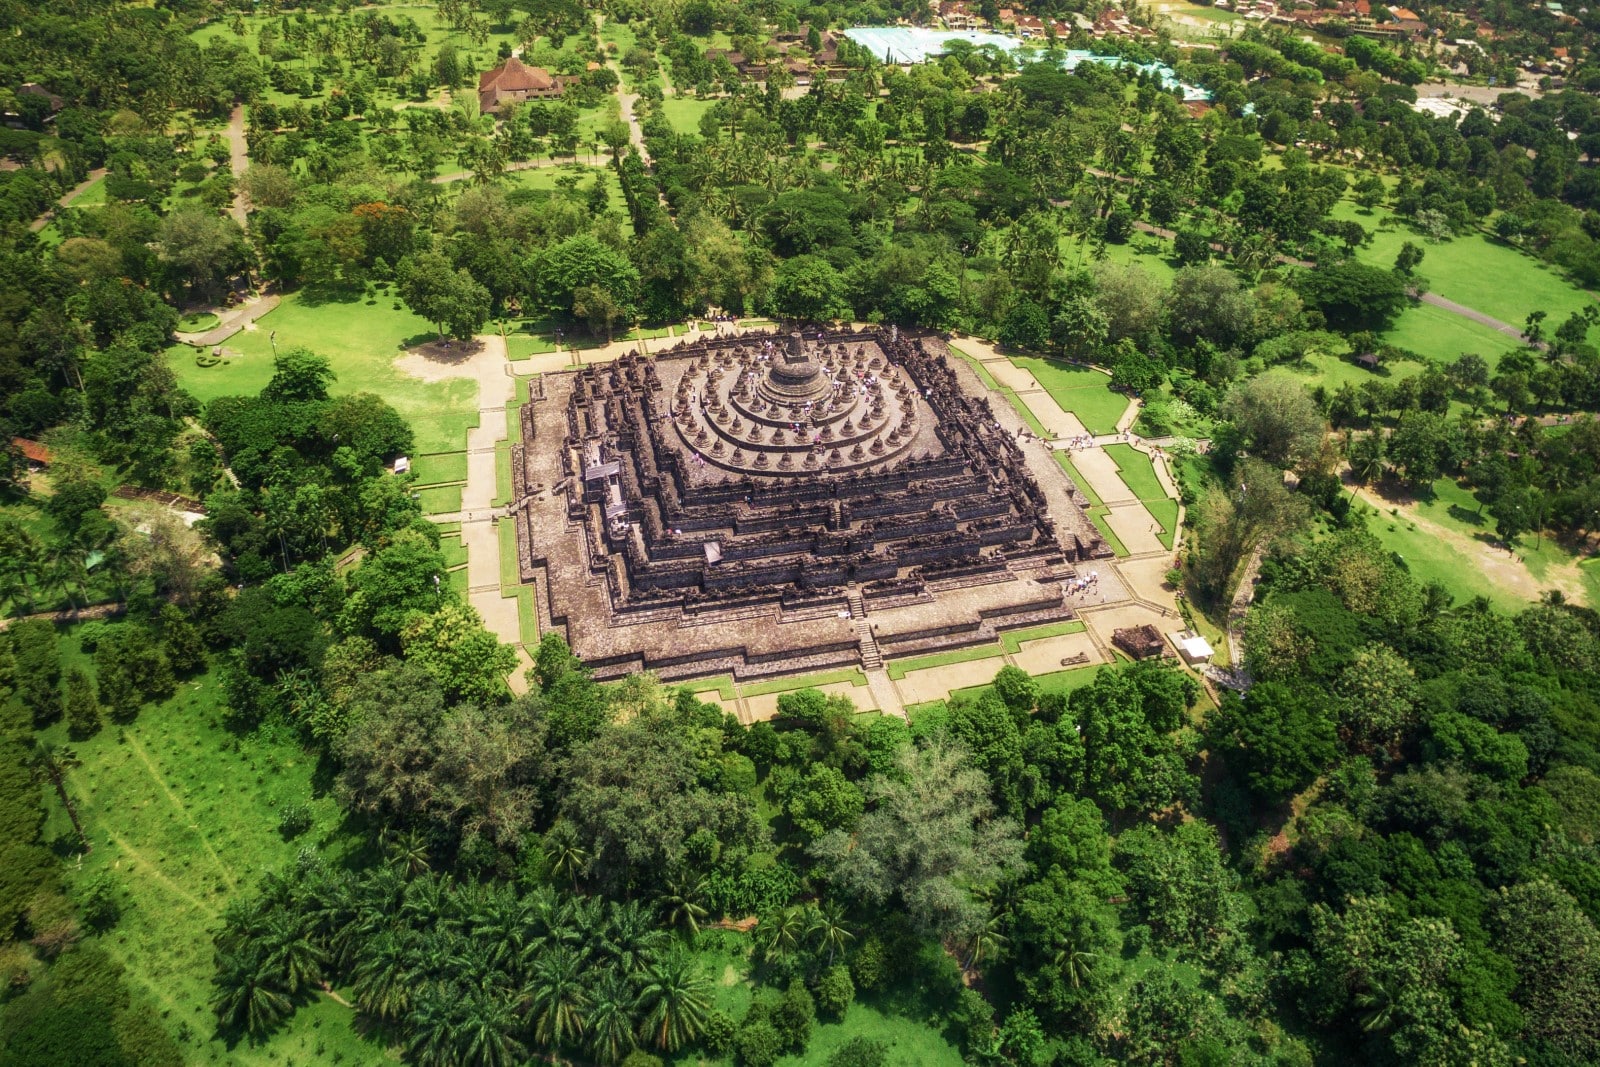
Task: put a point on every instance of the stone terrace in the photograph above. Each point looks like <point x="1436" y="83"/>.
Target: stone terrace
<point x="745" y="505"/>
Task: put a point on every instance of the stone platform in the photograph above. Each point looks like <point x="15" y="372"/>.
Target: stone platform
<point x="770" y="504"/>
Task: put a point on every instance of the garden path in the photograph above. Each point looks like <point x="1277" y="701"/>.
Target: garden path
<point x="238" y="159"/>
<point x="66" y="198"/>
<point x="234" y="319"/>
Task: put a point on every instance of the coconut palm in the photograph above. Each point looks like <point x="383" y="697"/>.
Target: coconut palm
<point x="828" y="928"/>
<point x="555" y="998"/>
<point x="780" y="933"/>
<point x="409" y="852"/>
<point x="632" y="937"/>
<point x="50" y="763"/>
<point x="432" y="1029"/>
<point x="681" y="903"/>
<point x="612" y="1018"/>
<point x="674" y="1001"/>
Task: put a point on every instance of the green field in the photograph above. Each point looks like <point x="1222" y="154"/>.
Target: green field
<point x="183" y="814"/>
<point x="440" y="467"/>
<point x="1084" y="392"/>
<point x="362" y="341"/>
<point x="684" y="112"/>
<point x="1474" y="270"/>
<point x="900" y="668"/>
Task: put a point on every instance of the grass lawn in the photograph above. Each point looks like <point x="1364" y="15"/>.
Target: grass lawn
<point x="440" y="467"/>
<point x="93" y="196"/>
<point x="1138" y="472"/>
<point x="1013" y="640"/>
<point x="1440" y="335"/>
<point x="455" y="553"/>
<point x="1097" y="508"/>
<point x="440" y="499"/>
<point x="183" y="814"/>
<point x="684" y="112"/>
<point x="198" y="323"/>
<point x="852" y="675"/>
<point x="1054" y="682"/>
<point x="362" y="341"/>
<point x="1082" y="391"/>
<point x="1474" y="270"/>
<point x="900" y="668"/>
<point x="527" y="610"/>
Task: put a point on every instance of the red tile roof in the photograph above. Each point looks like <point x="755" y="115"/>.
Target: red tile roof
<point x="32" y="450"/>
<point x="515" y="76"/>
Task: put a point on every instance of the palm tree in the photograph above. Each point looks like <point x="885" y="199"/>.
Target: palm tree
<point x="50" y="763"/>
<point x="383" y="978"/>
<point x="675" y="1001"/>
<point x="612" y="1018"/>
<point x="1378" y="1007"/>
<point x="290" y="956"/>
<point x="985" y="943"/>
<point x="567" y="854"/>
<point x="829" y="929"/>
<point x="1074" y="963"/>
<point x="681" y="903"/>
<point x="780" y="933"/>
<point x="632" y="938"/>
<point x="485" y="1035"/>
<point x="409" y="852"/>
<point x="245" y="998"/>
<point x="556" y="998"/>
<point x="432" y="1026"/>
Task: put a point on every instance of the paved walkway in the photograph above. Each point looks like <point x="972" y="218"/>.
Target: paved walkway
<point x="233" y="320"/>
<point x="66" y="198"/>
<point x="479" y="518"/>
<point x="239" y="160"/>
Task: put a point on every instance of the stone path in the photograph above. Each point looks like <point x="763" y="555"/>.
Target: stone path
<point x="66" y="198"/>
<point x="479" y="518"/>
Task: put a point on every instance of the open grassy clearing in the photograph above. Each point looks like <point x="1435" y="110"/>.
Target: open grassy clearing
<point x="361" y="340"/>
<point x="1084" y="392"/>
<point x="684" y="112"/>
<point x="183" y="815"/>
<point x="1474" y="270"/>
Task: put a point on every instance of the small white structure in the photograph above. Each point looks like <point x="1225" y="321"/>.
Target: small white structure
<point x="1195" y="648"/>
<point x="402" y="464"/>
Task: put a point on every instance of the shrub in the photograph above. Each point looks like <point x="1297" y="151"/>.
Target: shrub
<point x="294" y="820"/>
<point x="871" y="964"/>
<point x="835" y="991"/>
<point x="758" y="1044"/>
<point x="719" y="1032"/>
<point x="860" y="1052"/>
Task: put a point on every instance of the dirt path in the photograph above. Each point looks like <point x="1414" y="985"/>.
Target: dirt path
<point x="66" y="198"/>
<point x="239" y="159"/>
<point x="1504" y="570"/>
<point x="625" y="99"/>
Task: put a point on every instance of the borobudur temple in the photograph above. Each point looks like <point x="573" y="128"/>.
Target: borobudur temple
<point x="771" y="503"/>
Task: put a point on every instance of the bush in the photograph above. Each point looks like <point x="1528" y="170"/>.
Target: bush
<point x="294" y="820"/>
<point x="758" y="1044"/>
<point x="719" y="1032"/>
<point x="860" y="1052"/>
<point x="871" y="964"/>
<point x="795" y="1015"/>
<point x="835" y="991"/>
<point x="640" y="1058"/>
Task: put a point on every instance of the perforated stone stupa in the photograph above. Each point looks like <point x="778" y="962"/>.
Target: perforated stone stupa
<point x="786" y="502"/>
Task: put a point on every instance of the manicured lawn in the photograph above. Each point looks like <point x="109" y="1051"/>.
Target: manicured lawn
<point x="900" y="668"/>
<point x="183" y="815"/>
<point x="198" y="322"/>
<point x="1054" y="682"/>
<point x="440" y="499"/>
<point x="1013" y="640"/>
<point x="852" y="675"/>
<point x="1441" y="335"/>
<point x="440" y="467"/>
<point x="1097" y="508"/>
<point x="362" y="341"/>
<point x="455" y="553"/>
<point x="93" y="196"/>
<point x="1082" y="391"/>
<point x="684" y="112"/>
<point x="1137" y="471"/>
<point x="1474" y="270"/>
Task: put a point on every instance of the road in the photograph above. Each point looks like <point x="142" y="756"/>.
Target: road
<point x="625" y="99"/>
<point x="66" y="198"/>
<point x="239" y="159"/>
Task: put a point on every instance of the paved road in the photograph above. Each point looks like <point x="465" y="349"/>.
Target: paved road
<point x="66" y="198"/>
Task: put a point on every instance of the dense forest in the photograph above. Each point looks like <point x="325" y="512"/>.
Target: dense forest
<point x="1382" y="850"/>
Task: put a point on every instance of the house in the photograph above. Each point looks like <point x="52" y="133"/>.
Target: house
<point x="37" y="455"/>
<point x="514" y="81"/>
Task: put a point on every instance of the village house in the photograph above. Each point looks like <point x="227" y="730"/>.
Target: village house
<point x="514" y="81"/>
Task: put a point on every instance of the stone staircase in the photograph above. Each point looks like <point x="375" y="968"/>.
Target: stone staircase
<point x="871" y="657"/>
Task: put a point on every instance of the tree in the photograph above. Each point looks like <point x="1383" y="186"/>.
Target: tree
<point x="75" y="496"/>
<point x="1208" y="303"/>
<point x="1556" y="951"/>
<point x="446" y="296"/>
<point x="808" y="287"/>
<point x="1066" y="942"/>
<point x="1353" y="295"/>
<point x="201" y="248"/>
<point x="50" y="763"/>
<point x="1178" y="885"/>
<point x="299" y="376"/>
<point x="35" y="663"/>
<point x="453" y="647"/>
<point x="1278" y="737"/>
<point x="82" y="709"/>
<point x="1377" y="696"/>
<point x="824" y="800"/>
<point x="560" y="270"/>
<point x="674" y="1001"/>
<point x="1130" y="299"/>
<point x="1277" y="418"/>
<point x="1425" y="444"/>
<point x="556" y="998"/>
<point x="612" y="1019"/>
<point x="1026" y="326"/>
<point x="1409" y="258"/>
<point x="932" y="840"/>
